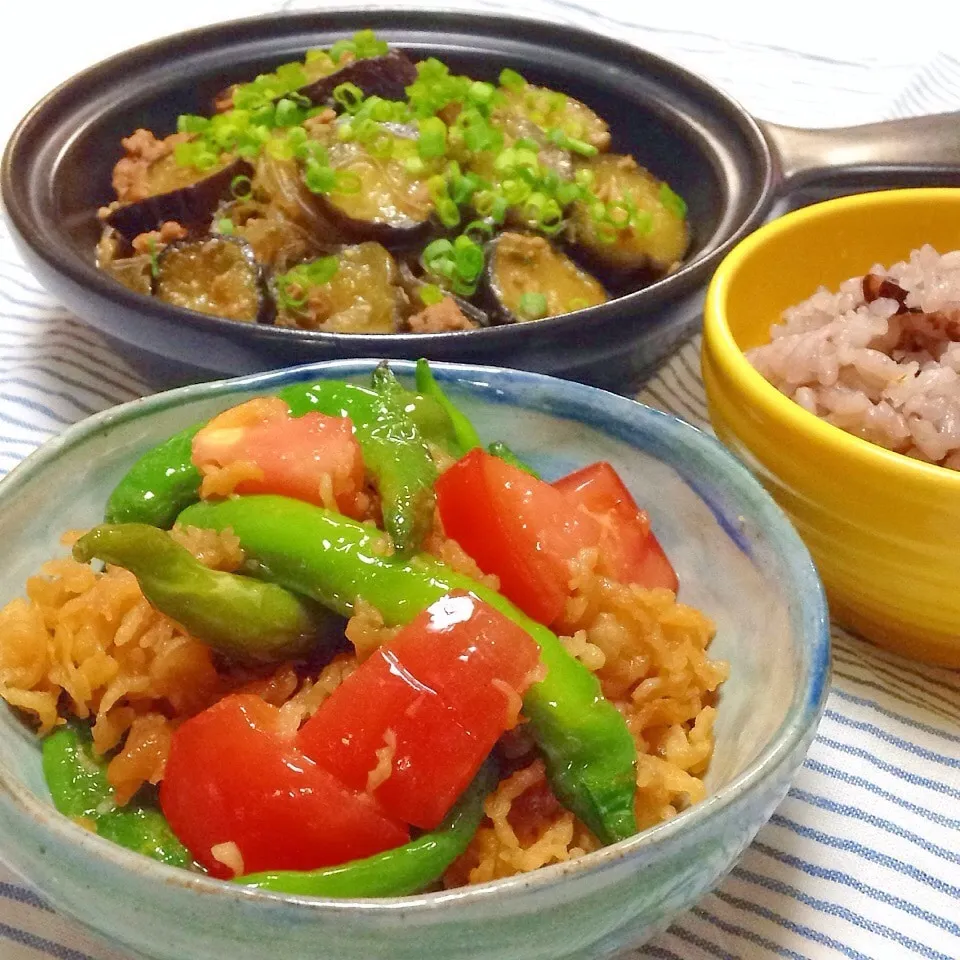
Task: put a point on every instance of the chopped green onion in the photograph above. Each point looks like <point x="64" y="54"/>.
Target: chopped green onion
<point x="526" y="143"/>
<point x="673" y="201"/>
<point x="433" y="138"/>
<point x="481" y="92"/>
<point x="447" y="212"/>
<point x="340" y="48"/>
<point x="532" y="306"/>
<point x="480" y="231"/>
<point x="512" y="80"/>
<point x="190" y="123"/>
<point x="154" y="263"/>
<point x="414" y="166"/>
<point x="430" y="294"/>
<point x="226" y="227"/>
<point x="348" y="95"/>
<point x="468" y="257"/>
<point x="366" y="44"/>
<point x="567" y="193"/>
<point x="287" y="113"/>
<point x="319" y="178"/>
<point x="241" y="186"/>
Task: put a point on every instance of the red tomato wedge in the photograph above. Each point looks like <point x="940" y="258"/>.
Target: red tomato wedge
<point x="291" y="456"/>
<point x="383" y="724"/>
<point x="417" y="719"/>
<point x="629" y="551"/>
<point x="234" y="775"/>
<point x="517" y="527"/>
<point x="475" y="658"/>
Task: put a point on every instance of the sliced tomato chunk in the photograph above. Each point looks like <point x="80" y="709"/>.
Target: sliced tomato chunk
<point x="475" y="658"/>
<point x="311" y="458"/>
<point x="416" y="720"/>
<point x="383" y="730"/>
<point x="236" y="777"/>
<point x="517" y="527"/>
<point x="629" y="551"/>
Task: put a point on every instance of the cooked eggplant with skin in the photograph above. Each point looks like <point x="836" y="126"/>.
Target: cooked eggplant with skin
<point x="528" y="279"/>
<point x="362" y="296"/>
<point x="387" y="77"/>
<point x="218" y="275"/>
<point x="388" y="205"/>
<point x="550" y="110"/>
<point x="656" y="236"/>
<point x="191" y="205"/>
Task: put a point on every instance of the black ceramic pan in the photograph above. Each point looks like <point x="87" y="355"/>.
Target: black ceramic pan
<point x="729" y="167"/>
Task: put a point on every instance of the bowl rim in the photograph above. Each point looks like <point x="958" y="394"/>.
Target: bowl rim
<point x="721" y="347"/>
<point x="606" y="411"/>
<point x="62" y="258"/>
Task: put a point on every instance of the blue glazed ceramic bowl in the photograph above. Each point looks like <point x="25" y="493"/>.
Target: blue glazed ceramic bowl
<point x="738" y="559"/>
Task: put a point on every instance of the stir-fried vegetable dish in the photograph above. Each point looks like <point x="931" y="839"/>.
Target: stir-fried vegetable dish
<point x="329" y="642"/>
<point x="357" y="191"/>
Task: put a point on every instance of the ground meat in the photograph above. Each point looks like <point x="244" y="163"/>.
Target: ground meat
<point x="318" y="123"/>
<point x="440" y="318"/>
<point x="154" y="240"/>
<point x="142" y="148"/>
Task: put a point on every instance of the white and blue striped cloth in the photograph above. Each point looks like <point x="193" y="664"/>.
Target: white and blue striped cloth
<point x="862" y="860"/>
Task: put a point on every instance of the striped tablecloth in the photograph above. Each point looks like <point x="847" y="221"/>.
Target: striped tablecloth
<point x="862" y="860"/>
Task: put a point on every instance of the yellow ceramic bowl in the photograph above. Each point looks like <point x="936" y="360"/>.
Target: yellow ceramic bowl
<point x="884" y="529"/>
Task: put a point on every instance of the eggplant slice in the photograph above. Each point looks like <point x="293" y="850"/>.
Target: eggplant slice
<point x="387" y="77"/>
<point x="549" y="110"/>
<point x="657" y="247"/>
<point x="363" y="296"/>
<point x="192" y="205"/>
<point x="218" y="275"/>
<point x="527" y="278"/>
<point x="391" y="206"/>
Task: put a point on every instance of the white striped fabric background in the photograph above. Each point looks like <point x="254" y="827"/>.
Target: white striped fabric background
<point x="862" y="860"/>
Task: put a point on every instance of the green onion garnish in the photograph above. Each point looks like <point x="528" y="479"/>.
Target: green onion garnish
<point x="241" y="186"/>
<point x="512" y="80"/>
<point x="532" y="306"/>
<point x="433" y="138"/>
<point x="190" y="123"/>
<point x="226" y="227"/>
<point x="348" y="95"/>
<point x="673" y="201"/>
<point x="430" y="294"/>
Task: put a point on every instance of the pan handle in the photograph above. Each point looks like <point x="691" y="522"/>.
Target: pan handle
<point x="915" y="151"/>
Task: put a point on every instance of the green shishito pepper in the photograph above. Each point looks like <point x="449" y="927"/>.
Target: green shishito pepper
<point x="466" y="435"/>
<point x="239" y="616"/>
<point x="400" y="872"/>
<point x="77" y="780"/>
<point x="159" y="485"/>
<point x="393" y="448"/>
<point x="589" y="752"/>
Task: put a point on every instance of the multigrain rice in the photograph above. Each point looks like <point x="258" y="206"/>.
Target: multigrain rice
<point x="87" y="644"/>
<point x="880" y="358"/>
